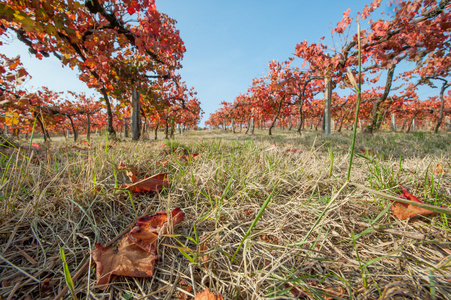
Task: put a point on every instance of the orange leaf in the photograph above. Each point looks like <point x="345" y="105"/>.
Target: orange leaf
<point x="405" y="211"/>
<point x="207" y="295"/>
<point x="136" y="252"/>
<point x="408" y="212"/>
<point x="438" y="169"/>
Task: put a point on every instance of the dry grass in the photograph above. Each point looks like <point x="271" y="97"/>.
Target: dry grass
<point x="357" y="249"/>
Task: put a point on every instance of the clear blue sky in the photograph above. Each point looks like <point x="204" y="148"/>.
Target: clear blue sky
<point x="228" y="43"/>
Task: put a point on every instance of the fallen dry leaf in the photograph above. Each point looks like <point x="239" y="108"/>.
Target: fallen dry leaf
<point x="186" y="287"/>
<point x="127" y="260"/>
<point x="163" y="163"/>
<point x="292" y="150"/>
<point x="147" y="229"/>
<point x="438" y="169"/>
<point x="136" y="252"/>
<point x="364" y="151"/>
<point x="153" y="184"/>
<point x="404" y="211"/>
<point x="207" y="295"/>
<point x="187" y="157"/>
<point x="203" y="248"/>
<point x="299" y="292"/>
<point x="338" y="292"/>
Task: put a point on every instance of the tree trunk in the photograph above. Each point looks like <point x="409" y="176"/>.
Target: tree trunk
<point x="88" y="133"/>
<point x="172" y="129"/>
<point x="327" y="105"/>
<point x="277" y="115"/>
<point x="74" y="129"/>
<point x="233" y="125"/>
<point x="442" y="105"/>
<point x="375" y="113"/>
<point x="156" y="130"/>
<point x="393" y="122"/>
<point x="252" y="125"/>
<point x="126" y="120"/>
<point x="44" y="131"/>
<point x="319" y="121"/>
<point x="109" y="112"/>
<point x="248" y="125"/>
<point x="404" y="124"/>
<point x="136" y="115"/>
<point x="166" y="130"/>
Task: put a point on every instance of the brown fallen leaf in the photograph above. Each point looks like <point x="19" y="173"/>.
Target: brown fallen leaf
<point x="408" y="212"/>
<point x="127" y="260"/>
<point x="147" y="229"/>
<point x="136" y="252"/>
<point x="438" y="169"/>
<point x="369" y="151"/>
<point x="203" y="248"/>
<point x="207" y="295"/>
<point x="153" y="184"/>
<point x="186" y="287"/>
<point x="187" y="157"/>
<point x="291" y="150"/>
<point x="163" y="163"/>
<point x="131" y="174"/>
<point x="299" y="292"/>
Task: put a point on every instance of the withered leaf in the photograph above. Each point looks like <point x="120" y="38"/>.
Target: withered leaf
<point x="127" y="260"/>
<point x="187" y="157"/>
<point x="207" y="295"/>
<point x="438" y="169"/>
<point x="136" y="252"/>
<point x="153" y="184"/>
<point x="147" y="229"/>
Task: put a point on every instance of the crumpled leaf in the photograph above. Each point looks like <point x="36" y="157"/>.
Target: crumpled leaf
<point x="207" y="295"/>
<point x="147" y="229"/>
<point x="404" y="211"/>
<point x="438" y="169"/>
<point x="153" y="184"/>
<point x="187" y="157"/>
<point x="299" y="292"/>
<point x="127" y="260"/>
<point x="136" y="252"/>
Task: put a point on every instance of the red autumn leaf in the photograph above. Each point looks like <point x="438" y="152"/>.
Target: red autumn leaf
<point x="404" y="211"/>
<point x="130" y="258"/>
<point x="131" y="10"/>
<point x="207" y="295"/>
<point x="406" y="195"/>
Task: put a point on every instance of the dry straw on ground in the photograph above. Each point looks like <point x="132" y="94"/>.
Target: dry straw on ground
<point x="68" y="197"/>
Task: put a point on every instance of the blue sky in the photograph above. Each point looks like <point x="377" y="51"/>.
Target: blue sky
<point x="228" y="43"/>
